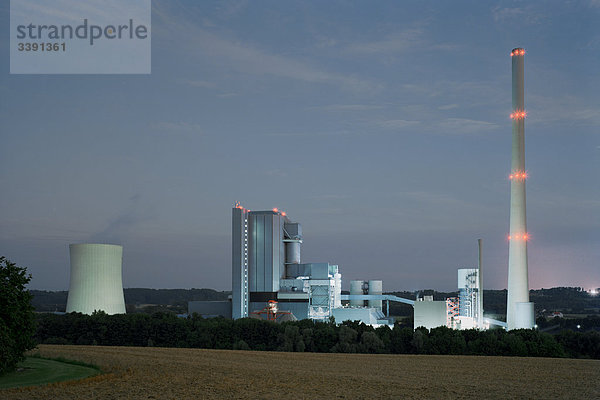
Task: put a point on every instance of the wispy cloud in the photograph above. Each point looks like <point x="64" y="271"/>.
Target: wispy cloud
<point x="227" y="95"/>
<point x="464" y="125"/>
<point x="566" y="108"/>
<point x="330" y="196"/>
<point x="501" y="14"/>
<point x="348" y="107"/>
<point x="230" y="9"/>
<point x="448" y="106"/>
<point x="311" y="134"/>
<point x="202" y="84"/>
<point x="277" y="173"/>
<point x="247" y="58"/>
<point x="395" y="43"/>
<point x="517" y="14"/>
<point x="397" y="123"/>
<point x="180" y="126"/>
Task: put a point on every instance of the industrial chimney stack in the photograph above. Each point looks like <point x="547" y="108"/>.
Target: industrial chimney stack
<point x="519" y="311"/>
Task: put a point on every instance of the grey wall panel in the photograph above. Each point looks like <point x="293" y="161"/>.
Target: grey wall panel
<point x="281" y="264"/>
<point x="268" y="253"/>
<point x="299" y="309"/>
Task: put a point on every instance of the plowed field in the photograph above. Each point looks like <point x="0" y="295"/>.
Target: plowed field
<point x="158" y="373"/>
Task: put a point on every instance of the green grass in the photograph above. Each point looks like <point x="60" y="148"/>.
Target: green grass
<point x="40" y="371"/>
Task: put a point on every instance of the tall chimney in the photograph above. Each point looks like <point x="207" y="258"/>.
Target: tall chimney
<point x="519" y="311"/>
<point x="480" y="297"/>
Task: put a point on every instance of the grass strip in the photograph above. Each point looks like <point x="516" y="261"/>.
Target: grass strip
<point x="37" y="370"/>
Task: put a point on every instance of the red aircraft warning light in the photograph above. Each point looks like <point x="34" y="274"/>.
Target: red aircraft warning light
<point x="524" y="237"/>
<point x="522" y="175"/>
<point x="518" y="114"/>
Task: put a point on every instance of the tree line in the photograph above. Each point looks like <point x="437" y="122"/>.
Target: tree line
<point x="166" y="330"/>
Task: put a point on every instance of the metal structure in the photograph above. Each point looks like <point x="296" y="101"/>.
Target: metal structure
<point x="519" y="311"/>
<point x="96" y="283"/>
<point x="452" y="306"/>
<point x="468" y="293"/>
<point x="272" y="313"/>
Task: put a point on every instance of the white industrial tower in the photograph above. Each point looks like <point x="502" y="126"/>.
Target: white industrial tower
<point x="96" y="282"/>
<point x="519" y="310"/>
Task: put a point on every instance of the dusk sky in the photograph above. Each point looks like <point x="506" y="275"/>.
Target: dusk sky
<point x="382" y="127"/>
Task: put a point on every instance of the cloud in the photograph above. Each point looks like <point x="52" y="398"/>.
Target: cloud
<point x="401" y="42"/>
<point x="308" y="134"/>
<point x="502" y="14"/>
<point x="202" y="84"/>
<point x="332" y="196"/>
<point x="348" y="107"/>
<point x="395" y="43"/>
<point x="246" y="58"/>
<point x="230" y="9"/>
<point x="565" y="108"/>
<point x="464" y="125"/>
<point x="397" y="123"/>
<point x="517" y="14"/>
<point x="448" y="106"/>
<point x="277" y="173"/>
<point x="173" y="127"/>
<point x="227" y="95"/>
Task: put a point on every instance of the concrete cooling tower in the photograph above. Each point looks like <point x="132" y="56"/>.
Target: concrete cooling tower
<point x="96" y="282"/>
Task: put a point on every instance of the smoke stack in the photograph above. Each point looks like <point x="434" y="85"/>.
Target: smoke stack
<point x="480" y="297"/>
<point x="519" y="311"/>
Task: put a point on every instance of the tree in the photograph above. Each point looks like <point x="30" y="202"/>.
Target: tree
<point x="17" y="323"/>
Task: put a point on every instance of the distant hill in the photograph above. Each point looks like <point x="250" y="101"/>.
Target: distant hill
<point x="136" y="299"/>
<point x="568" y="300"/>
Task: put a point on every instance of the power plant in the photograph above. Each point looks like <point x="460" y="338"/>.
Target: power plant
<point x="269" y="279"/>
<point x="96" y="283"/>
<point x="519" y="310"/>
<point x="268" y="276"/>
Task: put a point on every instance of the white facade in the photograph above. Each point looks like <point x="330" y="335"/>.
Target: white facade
<point x="96" y="283"/>
<point x="429" y="314"/>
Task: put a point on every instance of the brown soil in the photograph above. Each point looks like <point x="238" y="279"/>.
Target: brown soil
<point x="158" y="373"/>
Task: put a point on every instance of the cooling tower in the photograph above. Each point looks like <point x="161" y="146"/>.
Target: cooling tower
<point x="519" y="313"/>
<point x="96" y="282"/>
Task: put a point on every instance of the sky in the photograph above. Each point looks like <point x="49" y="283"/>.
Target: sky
<point x="382" y="127"/>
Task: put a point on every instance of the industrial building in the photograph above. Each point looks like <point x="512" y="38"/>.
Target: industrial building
<point x="267" y="270"/>
<point x="96" y="283"/>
